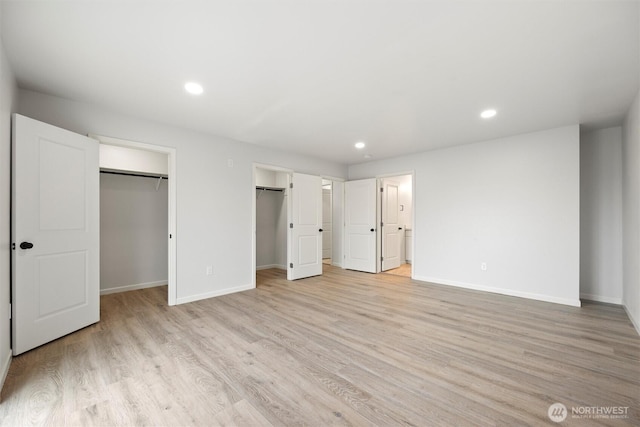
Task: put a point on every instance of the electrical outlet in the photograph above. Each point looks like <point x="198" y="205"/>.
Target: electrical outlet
<point x="483" y="266"/>
<point x="209" y="270"/>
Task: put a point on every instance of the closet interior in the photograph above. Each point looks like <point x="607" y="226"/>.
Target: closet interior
<point x="271" y="219"/>
<point x="133" y="219"/>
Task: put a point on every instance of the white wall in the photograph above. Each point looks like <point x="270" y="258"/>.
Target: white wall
<point x="512" y="203"/>
<point x="130" y="159"/>
<point x="214" y="218"/>
<point x="8" y="96"/>
<point x="601" y="215"/>
<point x="631" y="212"/>
<point x="265" y="178"/>
<point x="133" y="233"/>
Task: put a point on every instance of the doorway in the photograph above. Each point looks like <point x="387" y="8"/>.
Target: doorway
<point x="378" y="223"/>
<point x="271" y="213"/>
<point x="396" y="224"/>
<point x="327" y="221"/>
<point x="276" y="191"/>
<point x="154" y="170"/>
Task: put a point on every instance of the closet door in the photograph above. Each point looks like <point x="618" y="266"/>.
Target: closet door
<point x="55" y="231"/>
<point x="305" y="228"/>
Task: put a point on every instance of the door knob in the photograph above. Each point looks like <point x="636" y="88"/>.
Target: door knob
<point x="320" y="230"/>
<point x="399" y="228"/>
<point x="373" y="229"/>
<point x="26" y="245"/>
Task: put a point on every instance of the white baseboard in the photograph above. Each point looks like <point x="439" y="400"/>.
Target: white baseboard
<point x="600" y="298"/>
<point x="509" y="292"/>
<point x="5" y="369"/>
<point x="634" y="322"/>
<point x="212" y="294"/>
<point x="268" y="266"/>
<point x="126" y="288"/>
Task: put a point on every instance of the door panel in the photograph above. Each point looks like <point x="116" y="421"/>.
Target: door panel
<point x="391" y="228"/>
<point x="55" y="207"/>
<point x="360" y="225"/>
<point x="305" y="236"/>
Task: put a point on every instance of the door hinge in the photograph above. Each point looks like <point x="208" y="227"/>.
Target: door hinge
<point x="291" y="185"/>
<point x="381" y="258"/>
<point x="169" y="235"/>
<point x="381" y="224"/>
<point x="290" y="265"/>
<point x="381" y="190"/>
<point x="291" y="225"/>
<point x="13" y="246"/>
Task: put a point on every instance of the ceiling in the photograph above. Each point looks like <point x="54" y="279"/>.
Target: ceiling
<point x="314" y="77"/>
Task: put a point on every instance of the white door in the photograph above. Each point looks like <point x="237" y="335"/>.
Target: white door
<point x="305" y="228"/>
<point x="327" y="225"/>
<point x="391" y="228"/>
<point x="360" y="225"/>
<point x="56" y="232"/>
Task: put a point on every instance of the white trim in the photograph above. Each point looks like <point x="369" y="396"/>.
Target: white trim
<point x="125" y="288"/>
<point x="268" y="266"/>
<point x="5" y="369"/>
<point x="509" y="292"/>
<point x="600" y="298"/>
<point x="633" y="321"/>
<point x="172" y="256"/>
<point x="206" y="295"/>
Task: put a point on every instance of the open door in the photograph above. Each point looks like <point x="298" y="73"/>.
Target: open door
<point x="305" y="228"/>
<point x="390" y="222"/>
<point x="55" y="232"/>
<point x="360" y="225"/>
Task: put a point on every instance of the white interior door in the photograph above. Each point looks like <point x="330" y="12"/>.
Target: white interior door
<point x="327" y="225"/>
<point x="391" y="228"/>
<point x="305" y="231"/>
<point x="360" y="225"/>
<point x="56" y="232"/>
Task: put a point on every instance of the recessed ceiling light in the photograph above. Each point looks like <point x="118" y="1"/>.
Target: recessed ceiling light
<point x="487" y="114"/>
<point x="360" y="145"/>
<point x="193" y="88"/>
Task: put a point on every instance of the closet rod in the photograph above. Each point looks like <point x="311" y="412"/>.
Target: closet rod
<point x="135" y="174"/>
<point x="279" y="190"/>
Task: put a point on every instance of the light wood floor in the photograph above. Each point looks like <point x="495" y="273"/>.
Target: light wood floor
<point x="404" y="270"/>
<point x="346" y="348"/>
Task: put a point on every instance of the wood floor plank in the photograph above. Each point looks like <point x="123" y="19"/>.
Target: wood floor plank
<point x="345" y="348"/>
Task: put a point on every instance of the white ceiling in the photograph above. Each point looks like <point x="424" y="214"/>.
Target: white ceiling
<point x="316" y="76"/>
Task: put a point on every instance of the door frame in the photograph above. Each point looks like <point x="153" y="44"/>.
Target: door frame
<point x="379" y="179"/>
<point x="273" y="168"/>
<point x="172" y="293"/>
